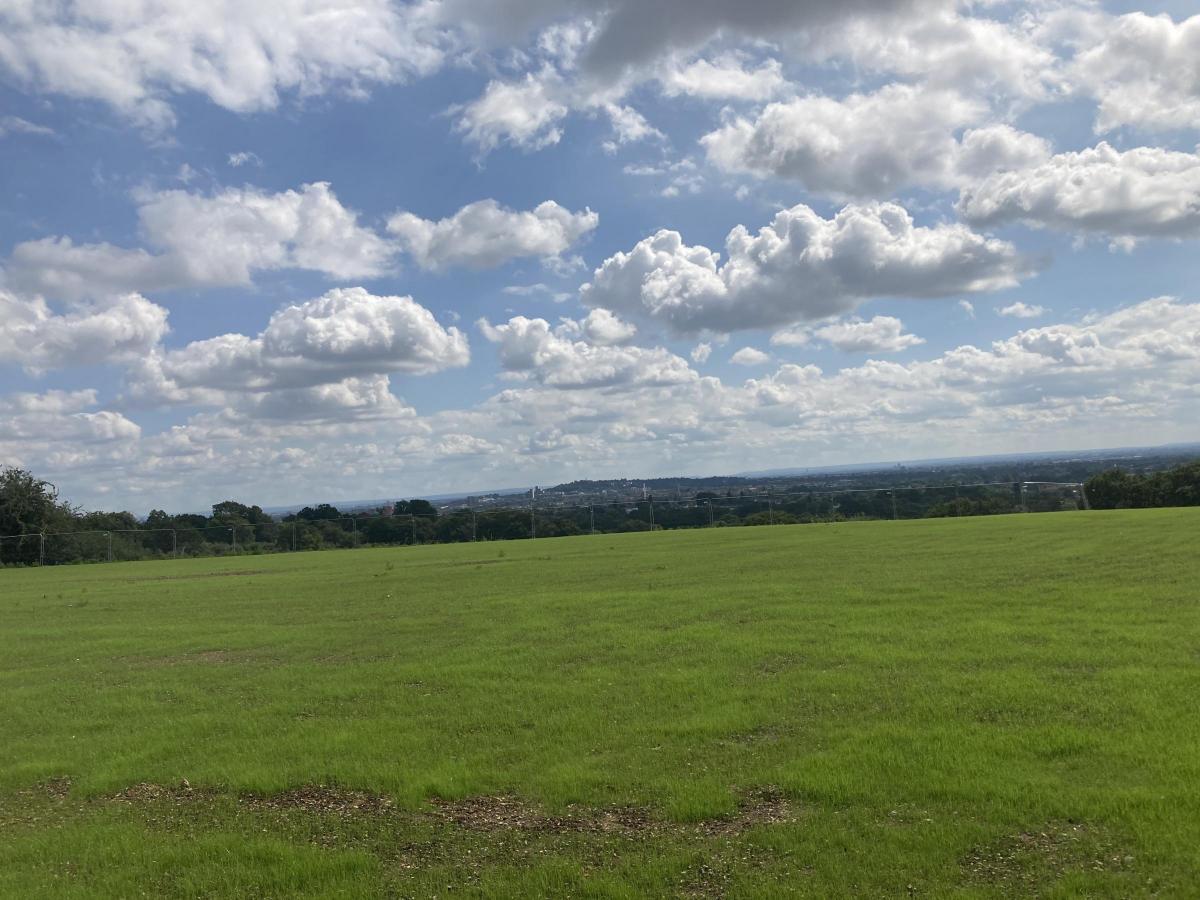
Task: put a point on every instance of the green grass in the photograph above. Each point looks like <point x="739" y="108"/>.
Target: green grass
<point x="967" y="708"/>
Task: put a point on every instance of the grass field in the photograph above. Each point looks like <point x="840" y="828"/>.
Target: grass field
<point x="969" y="708"/>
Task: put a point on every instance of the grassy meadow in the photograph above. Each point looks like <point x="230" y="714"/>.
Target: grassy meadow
<point x="985" y="707"/>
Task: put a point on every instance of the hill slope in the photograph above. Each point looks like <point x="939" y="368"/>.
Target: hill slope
<point x="977" y="707"/>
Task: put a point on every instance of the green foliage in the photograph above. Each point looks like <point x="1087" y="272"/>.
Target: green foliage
<point x="988" y="707"/>
<point x="1117" y="489"/>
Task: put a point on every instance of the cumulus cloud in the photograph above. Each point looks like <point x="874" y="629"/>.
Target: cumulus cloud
<point x="800" y="267"/>
<point x="725" y="77"/>
<point x="525" y="113"/>
<point x="62" y="429"/>
<point x="531" y="348"/>
<point x="750" y="356"/>
<point x="1006" y="60"/>
<point x="242" y="56"/>
<point x="222" y="239"/>
<point x="1143" y="70"/>
<point x="121" y="329"/>
<point x="346" y="333"/>
<point x="882" y="334"/>
<point x="1130" y="364"/>
<point x="871" y="145"/>
<point x="604" y="328"/>
<point x="1022" y="310"/>
<point x="485" y="234"/>
<point x="701" y="352"/>
<point x="1140" y="193"/>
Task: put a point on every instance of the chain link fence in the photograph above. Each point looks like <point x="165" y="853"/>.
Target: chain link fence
<point x="509" y="522"/>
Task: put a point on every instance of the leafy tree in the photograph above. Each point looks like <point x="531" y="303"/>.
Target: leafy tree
<point x="415" y="508"/>
<point x="29" y="505"/>
<point x="230" y="512"/>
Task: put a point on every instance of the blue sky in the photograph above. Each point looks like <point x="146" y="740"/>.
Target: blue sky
<point x="310" y="250"/>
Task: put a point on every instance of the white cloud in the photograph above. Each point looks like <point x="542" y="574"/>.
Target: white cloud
<point x="882" y="334"/>
<point x="701" y="352"/>
<point x="1140" y="193"/>
<point x="242" y="56"/>
<point x="345" y="337"/>
<point x="1022" y="310"/>
<point x="968" y="307"/>
<point x="221" y="239"/>
<point x="872" y="145"/>
<point x="796" y="336"/>
<point x="750" y="356"/>
<point x="485" y="234"/>
<point x="1005" y="60"/>
<point x="121" y="329"/>
<point x="800" y="267"/>
<point x="17" y="125"/>
<point x="62" y="429"/>
<point x="244" y="158"/>
<point x="1145" y="71"/>
<point x="525" y="113"/>
<point x="682" y="176"/>
<point x="629" y="126"/>
<point x="529" y="347"/>
<point x="724" y="77"/>
<point x="605" y="329"/>
<point x="1088" y="383"/>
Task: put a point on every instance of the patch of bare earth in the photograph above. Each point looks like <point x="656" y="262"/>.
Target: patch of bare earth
<point x="766" y="806"/>
<point x="1022" y="862"/>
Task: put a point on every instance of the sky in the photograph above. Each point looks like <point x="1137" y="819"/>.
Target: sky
<point x="300" y="250"/>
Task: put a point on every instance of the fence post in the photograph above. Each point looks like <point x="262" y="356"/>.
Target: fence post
<point x="894" y="515"/>
<point x="174" y="543"/>
<point x="1083" y="495"/>
<point x="233" y="538"/>
<point x="108" y="534"/>
<point x="414" y="528"/>
<point x="354" y="526"/>
<point x="770" y="511"/>
<point x="710" y="513"/>
<point x="592" y="516"/>
<point x="532" y="518"/>
<point x="651" y="513"/>
<point x="42" y="548"/>
<point x="473" y="525"/>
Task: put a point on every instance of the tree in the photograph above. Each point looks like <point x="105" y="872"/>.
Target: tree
<point x="230" y="512"/>
<point x="415" y="508"/>
<point x="1110" y="490"/>
<point x="29" y="505"/>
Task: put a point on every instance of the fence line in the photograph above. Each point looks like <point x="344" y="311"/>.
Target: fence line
<point x="255" y="534"/>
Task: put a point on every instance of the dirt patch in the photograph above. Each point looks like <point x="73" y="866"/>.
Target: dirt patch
<point x="1023" y="861"/>
<point x="322" y="800"/>
<point x="761" y="807"/>
<point x="503" y="813"/>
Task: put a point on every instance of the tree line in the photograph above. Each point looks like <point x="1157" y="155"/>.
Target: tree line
<point x="1119" y="489"/>
<point x="37" y="525"/>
